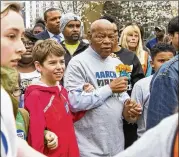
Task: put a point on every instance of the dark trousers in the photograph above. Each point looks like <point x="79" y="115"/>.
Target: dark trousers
<point x="130" y="133"/>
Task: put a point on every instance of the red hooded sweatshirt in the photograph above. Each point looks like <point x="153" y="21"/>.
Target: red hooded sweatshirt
<point x="49" y="109"/>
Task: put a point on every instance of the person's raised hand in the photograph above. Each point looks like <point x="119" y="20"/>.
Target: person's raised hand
<point x="119" y="84"/>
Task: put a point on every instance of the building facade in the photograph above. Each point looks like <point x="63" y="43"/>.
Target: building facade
<point x="35" y="9"/>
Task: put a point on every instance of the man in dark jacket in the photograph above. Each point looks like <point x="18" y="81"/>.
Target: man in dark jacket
<point x="52" y="23"/>
<point x="70" y="26"/>
<point x="160" y="34"/>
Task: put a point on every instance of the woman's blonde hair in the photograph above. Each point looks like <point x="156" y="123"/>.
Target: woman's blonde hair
<point x="9" y="80"/>
<point x="6" y="6"/>
<point x="123" y="41"/>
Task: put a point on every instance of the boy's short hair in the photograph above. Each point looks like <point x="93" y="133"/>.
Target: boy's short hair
<point x="45" y="48"/>
<point x="173" y="25"/>
<point x="162" y="47"/>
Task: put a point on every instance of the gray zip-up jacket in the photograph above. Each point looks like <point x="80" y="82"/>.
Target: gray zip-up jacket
<point x="100" y="131"/>
<point x="156" y="142"/>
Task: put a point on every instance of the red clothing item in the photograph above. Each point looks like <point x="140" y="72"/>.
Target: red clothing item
<point x="49" y="109"/>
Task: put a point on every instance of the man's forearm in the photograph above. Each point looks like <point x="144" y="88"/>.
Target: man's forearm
<point x="81" y="101"/>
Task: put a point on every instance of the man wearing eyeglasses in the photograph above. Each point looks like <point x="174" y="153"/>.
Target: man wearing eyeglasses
<point x="100" y="130"/>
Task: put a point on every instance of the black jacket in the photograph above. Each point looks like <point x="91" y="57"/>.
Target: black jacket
<point x="130" y="58"/>
<point x="82" y="46"/>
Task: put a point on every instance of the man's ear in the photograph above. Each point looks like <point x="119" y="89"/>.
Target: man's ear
<point x="37" y="66"/>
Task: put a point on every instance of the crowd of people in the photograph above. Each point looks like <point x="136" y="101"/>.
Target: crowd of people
<point x="104" y="96"/>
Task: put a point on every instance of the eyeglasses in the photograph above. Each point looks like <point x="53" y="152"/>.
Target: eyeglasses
<point x="102" y="37"/>
<point x="28" y="43"/>
<point x="17" y="92"/>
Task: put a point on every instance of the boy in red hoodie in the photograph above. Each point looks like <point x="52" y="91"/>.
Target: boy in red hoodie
<point x="47" y="102"/>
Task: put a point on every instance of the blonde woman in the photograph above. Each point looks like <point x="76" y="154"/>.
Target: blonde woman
<point x="131" y="39"/>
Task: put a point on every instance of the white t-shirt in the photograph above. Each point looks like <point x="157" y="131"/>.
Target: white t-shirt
<point x="8" y="128"/>
<point x="28" y="78"/>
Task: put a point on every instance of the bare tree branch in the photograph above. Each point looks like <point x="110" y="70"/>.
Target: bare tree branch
<point x="73" y="6"/>
<point x="61" y="6"/>
<point x="80" y="8"/>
